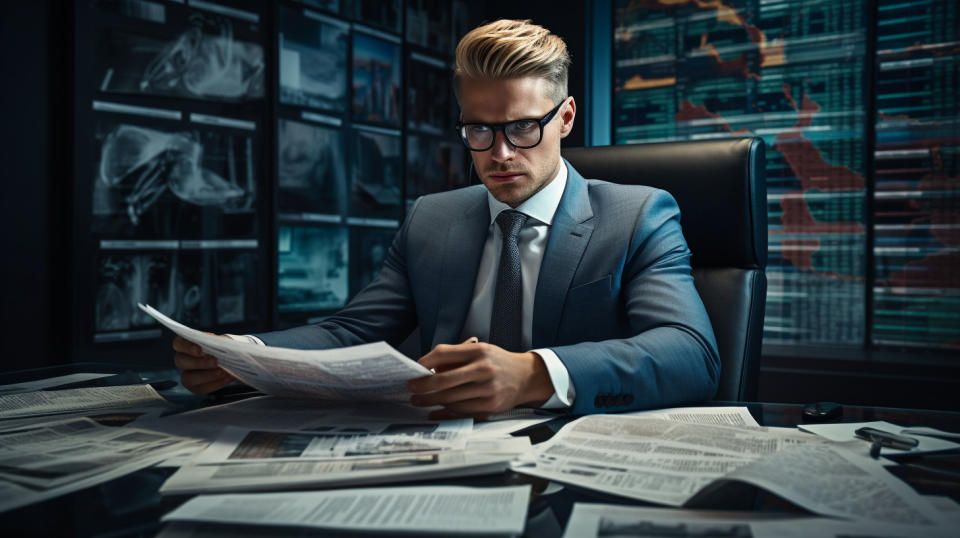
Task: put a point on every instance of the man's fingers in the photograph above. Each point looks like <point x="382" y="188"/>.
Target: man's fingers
<point x="468" y="391"/>
<point x="190" y="362"/>
<point x="183" y="345"/>
<point x="443" y="356"/>
<point x="196" y="378"/>
<point x="468" y="373"/>
<point x="207" y="388"/>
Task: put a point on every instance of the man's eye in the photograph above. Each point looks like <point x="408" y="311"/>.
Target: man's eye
<point x="524" y="125"/>
<point x="478" y="129"/>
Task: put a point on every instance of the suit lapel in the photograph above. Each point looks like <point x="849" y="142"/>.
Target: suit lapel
<point x="462" y="250"/>
<point x="569" y="235"/>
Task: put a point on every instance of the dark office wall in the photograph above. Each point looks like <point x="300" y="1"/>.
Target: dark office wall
<point x="34" y="213"/>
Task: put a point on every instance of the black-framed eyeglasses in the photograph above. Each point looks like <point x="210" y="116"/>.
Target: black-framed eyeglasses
<point x="521" y="134"/>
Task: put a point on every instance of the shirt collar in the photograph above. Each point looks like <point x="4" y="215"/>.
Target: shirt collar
<point x="542" y="205"/>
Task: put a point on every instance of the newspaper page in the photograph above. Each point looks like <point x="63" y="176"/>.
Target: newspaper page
<point x="47" y="460"/>
<point x="486" y="456"/>
<point x="59" y="381"/>
<point x="717" y="416"/>
<point x="242" y="444"/>
<point x="833" y="479"/>
<point x="589" y="520"/>
<point x="369" y="372"/>
<point x="52" y="402"/>
<point x="427" y="509"/>
<point x="651" y="459"/>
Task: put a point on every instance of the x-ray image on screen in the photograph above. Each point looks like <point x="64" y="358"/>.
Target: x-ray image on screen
<point x="381" y="13"/>
<point x="313" y="60"/>
<point x="428" y="24"/>
<point x="368" y="251"/>
<point x="125" y="280"/>
<point x="375" y="174"/>
<point x="434" y="165"/>
<point x="430" y="103"/>
<point x="159" y="181"/>
<point x="311" y="171"/>
<point x="376" y="80"/>
<point x="312" y="268"/>
<point x="235" y="278"/>
<point x="199" y="55"/>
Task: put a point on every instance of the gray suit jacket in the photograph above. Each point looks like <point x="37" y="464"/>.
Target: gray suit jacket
<point x="615" y="299"/>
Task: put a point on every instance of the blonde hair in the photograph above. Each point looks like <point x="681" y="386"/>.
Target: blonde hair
<point x="510" y="49"/>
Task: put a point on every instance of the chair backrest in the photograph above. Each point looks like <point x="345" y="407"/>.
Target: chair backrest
<point x="720" y="186"/>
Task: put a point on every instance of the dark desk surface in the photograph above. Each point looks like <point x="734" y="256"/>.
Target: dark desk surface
<point x="132" y="506"/>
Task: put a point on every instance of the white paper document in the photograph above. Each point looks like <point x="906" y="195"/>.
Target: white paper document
<point x="842" y="432"/>
<point x="47" y="460"/>
<point x="482" y="456"/>
<point x="369" y="372"/>
<point x="40" y="384"/>
<point x="716" y="416"/>
<point x="52" y="402"/>
<point x="589" y="520"/>
<point x="437" y="509"/>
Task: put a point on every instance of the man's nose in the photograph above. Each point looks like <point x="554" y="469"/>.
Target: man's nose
<point x="502" y="149"/>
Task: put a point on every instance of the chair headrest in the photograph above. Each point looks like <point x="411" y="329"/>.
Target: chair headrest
<point x="720" y="186"/>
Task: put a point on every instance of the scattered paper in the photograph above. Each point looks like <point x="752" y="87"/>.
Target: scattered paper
<point x="40" y="384"/>
<point x="368" y="372"/>
<point x="589" y="520"/>
<point x="716" y="416"/>
<point x="436" y="509"/>
<point x="54" y="402"/>
<point x="48" y="460"/>
<point x="842" y="432"/>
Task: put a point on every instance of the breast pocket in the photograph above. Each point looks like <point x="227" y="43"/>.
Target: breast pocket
<point x="591" y="312"/>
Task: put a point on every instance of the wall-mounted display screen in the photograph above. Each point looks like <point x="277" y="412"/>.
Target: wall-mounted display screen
<point x="212" y="54"/>
<point x="312" y="59"/>
<point x="435" y="165"/>
<point x="313" y="268"/>
<point x="154" y="178"/>
<point x="431" y="106"/>
<point x="311" y="168"/>
<point x="377" y="66"/>
<point x="368" y="250"/>
<point x="385" y="14"/>
<point x="428" y="24"/>
<point x="375" y="173"/>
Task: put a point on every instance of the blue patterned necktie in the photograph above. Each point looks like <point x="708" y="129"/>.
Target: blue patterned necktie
<point x="506" y="321"/>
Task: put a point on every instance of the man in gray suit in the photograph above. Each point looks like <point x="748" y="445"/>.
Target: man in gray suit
<point x="537" y="288"/>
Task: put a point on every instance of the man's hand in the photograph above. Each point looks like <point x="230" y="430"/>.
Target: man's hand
<point x="479" y="379"/>
<point x="199" y="373"/>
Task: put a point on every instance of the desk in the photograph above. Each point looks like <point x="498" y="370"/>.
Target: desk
<point x="131" y="505"/>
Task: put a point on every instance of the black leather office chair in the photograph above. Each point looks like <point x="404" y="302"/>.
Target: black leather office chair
<point x="720" y="186"/>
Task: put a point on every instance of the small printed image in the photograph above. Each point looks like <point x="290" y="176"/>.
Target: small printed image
<point x="376" y="80"/>
<point x="313" y="60"/>
<point x="431" y="106"/>
<point x="312" y="268"/>
<point x="428" y="24"/>
<point x="375" y="174"/>
<point x="434" y="165"/>
<point x="385" y="14"/>
<point x="168" y="181"/>
<point x="197" y="54"/>
<point x="311" y="169"/>
<point x="369" y="248"/>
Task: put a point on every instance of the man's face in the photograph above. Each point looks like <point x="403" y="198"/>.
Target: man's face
<point x="513" y="175"/>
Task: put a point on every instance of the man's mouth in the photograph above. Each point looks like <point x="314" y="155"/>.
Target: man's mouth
<point x="505" y="177"/>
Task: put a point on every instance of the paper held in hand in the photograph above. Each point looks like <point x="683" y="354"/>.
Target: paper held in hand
<point x="368" y="372"/>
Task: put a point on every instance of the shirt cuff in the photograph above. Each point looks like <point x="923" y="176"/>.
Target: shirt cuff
<point x="563" y="391"/>
<point x="245" y="338"/>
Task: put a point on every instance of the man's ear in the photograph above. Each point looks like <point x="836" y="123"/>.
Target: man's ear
<point x="567" y="114"/>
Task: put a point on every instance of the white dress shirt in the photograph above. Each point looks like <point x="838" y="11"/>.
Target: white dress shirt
<point x="532" y="241"/>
